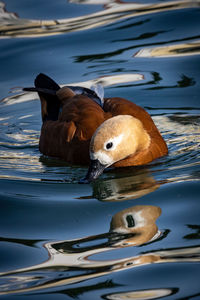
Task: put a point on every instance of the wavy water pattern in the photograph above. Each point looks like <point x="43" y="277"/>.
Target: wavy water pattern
<point x="14" y="27"/>
<point x="131" y="227"/>
<point x="133" y="233"/>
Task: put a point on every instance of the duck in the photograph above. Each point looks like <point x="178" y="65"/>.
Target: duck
<point x="82" y="127"/>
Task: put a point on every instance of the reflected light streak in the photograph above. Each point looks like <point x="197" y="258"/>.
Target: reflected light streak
<point x="25" y="117"/>
<point x="141" y="294"/>
<point x="19" y="178"/>
<point x="182" y="133"/>
<point x="172" y="50"/>
<point x="184" y="130"/>
<point x="59" y="263"/>
<point x="6" y="16"/>
<point x="13" y="27"/>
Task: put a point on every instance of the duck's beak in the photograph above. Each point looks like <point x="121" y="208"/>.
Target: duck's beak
<point x="94" y="171"/>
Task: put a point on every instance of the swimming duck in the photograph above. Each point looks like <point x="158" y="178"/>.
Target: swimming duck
<point x="80" y="126"/>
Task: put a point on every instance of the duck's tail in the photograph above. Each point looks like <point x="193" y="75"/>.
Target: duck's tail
<point x="47" y="89"/>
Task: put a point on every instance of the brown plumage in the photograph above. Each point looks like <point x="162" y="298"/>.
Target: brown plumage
<point x="67" y="133"/>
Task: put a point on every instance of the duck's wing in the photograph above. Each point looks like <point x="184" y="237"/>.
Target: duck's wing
<point x="70" y="116"/>
<point x="69" y="137"/>
<point x="96" y="92"/>
<point x="63" y="140"/>
<point x="43" y="84"/>
<point x="99" y="90"/>
<point x="52" y="103"/>
<point x="47" y="89"/>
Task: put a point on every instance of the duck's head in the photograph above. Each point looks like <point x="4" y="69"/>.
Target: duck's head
<point x="114" y="140"/>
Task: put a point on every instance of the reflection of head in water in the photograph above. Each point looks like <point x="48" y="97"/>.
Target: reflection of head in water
<point x="133" y="183"/>
<point x="139" y="221"/>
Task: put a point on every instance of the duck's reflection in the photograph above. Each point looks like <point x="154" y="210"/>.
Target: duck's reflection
<point x="134" y="183"/>
<point x="70" y="261"/>
<point x="137" y="221"/>
<point x="116" y="184"/>
<point x="130" y="227"/>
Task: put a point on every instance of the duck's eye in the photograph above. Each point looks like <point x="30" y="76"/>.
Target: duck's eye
<point x="130" y="221"/>
<point x="109" y="145"/>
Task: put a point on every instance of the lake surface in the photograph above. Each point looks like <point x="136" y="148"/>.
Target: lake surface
<point x="135" y="232"/>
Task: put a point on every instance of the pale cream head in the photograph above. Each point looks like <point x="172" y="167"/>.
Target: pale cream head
<point x="117" y="138"/>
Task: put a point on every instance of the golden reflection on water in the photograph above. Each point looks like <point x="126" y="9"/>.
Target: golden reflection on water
<point x="11" y="26"/>
<point x="183" y="130"/>
<point x="192" y="48"/>
<point x="137" y="222"/>
<point x="141" y="295"/>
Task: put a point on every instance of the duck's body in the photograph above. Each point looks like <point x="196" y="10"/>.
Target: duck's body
<point x="69" y="137"/>
<point x="71" y="120"/>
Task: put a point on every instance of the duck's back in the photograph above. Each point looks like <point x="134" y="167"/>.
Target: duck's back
<point x="69" y="137"/>
<point x="70" y="116"/>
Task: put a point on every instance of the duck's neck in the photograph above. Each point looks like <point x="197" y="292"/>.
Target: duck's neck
<point x="140" y="139"/>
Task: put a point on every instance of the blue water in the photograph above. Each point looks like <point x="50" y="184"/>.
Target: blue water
<point x="135" y="232"/>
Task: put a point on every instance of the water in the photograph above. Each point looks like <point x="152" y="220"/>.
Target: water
<point x="134" y="233"/>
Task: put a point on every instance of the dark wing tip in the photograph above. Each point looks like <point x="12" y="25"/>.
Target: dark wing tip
<point x="40" y="90"/>
<point x="29" y="89"/>
<point x="44" y="81"/>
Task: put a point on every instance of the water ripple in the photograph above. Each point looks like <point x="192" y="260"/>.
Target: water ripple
<point x="12" y="26"/>
<point x="75" y="261"/>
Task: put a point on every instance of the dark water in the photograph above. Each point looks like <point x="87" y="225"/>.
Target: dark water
<point x="134" y="233"/>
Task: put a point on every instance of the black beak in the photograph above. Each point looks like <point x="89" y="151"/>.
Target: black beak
<point x="94" y="171"/>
